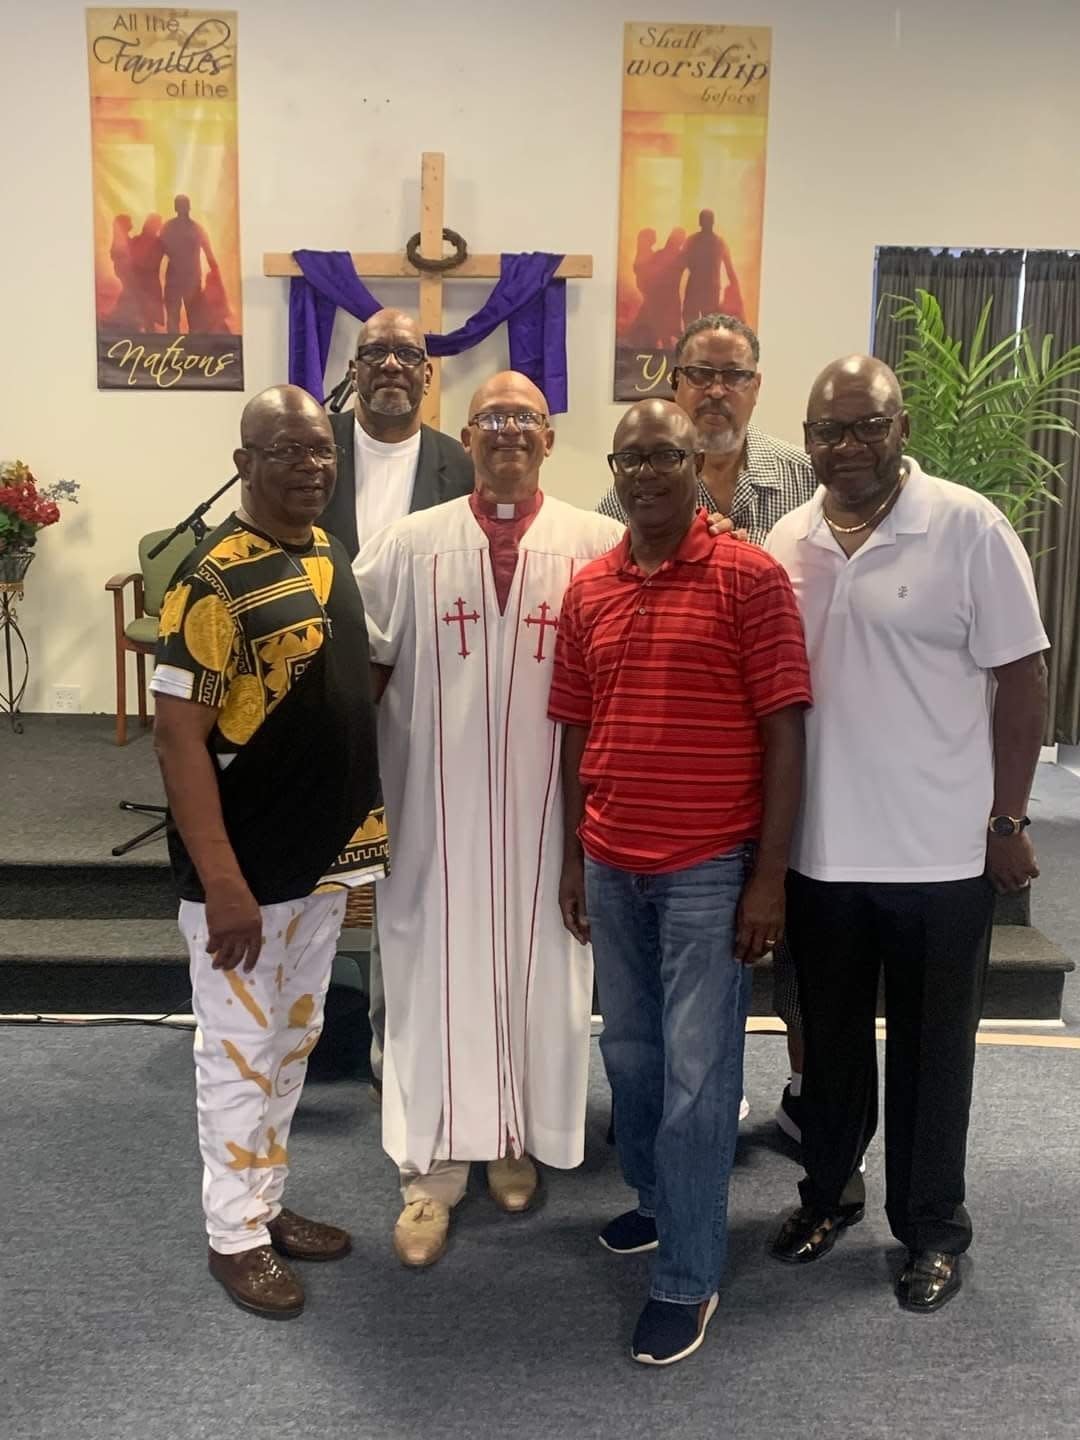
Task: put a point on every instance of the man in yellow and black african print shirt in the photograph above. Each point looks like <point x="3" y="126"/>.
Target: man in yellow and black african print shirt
<point x="265" y="730"/>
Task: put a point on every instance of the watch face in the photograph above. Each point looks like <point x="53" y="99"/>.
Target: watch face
<point x="1003" y="825"/>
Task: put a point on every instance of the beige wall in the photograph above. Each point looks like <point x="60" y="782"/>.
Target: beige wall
<point x="929" y="122"/>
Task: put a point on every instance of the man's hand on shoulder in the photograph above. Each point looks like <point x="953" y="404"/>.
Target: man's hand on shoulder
<point x="722" y="525"/>
<point x="233" y="924"/>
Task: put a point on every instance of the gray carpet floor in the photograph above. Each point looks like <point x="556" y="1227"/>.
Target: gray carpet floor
<point x="111" y="1329"/>
<point x="63" y="778"/>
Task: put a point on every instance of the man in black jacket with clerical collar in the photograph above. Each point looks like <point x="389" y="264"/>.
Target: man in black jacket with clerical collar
<point x="389" y="464"/>
<point x="265" y="729"/>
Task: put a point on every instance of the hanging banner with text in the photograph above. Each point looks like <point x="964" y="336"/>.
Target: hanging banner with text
<point x="166" y="212"/>
<point x="694" y="122"/>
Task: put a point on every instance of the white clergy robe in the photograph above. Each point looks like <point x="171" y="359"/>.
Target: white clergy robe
<point x="487" y="995"/>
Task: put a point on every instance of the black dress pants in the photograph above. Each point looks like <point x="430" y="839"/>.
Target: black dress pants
<point x="933" y="940"/>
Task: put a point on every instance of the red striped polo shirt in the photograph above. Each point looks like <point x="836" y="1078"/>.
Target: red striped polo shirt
<point x="670" y="672"/>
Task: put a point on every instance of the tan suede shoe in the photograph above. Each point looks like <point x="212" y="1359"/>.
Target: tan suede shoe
<point x="512" y="1183"/>
<point x="260" y="1281"/>
<point x="420" y="1233"/>
<point x="303" y="1239"/>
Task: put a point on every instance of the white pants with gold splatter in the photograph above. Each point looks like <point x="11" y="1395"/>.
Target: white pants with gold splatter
<point x="255" y="1033"/>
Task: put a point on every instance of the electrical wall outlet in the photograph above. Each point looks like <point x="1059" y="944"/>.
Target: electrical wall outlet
<point x="66" y="699"/>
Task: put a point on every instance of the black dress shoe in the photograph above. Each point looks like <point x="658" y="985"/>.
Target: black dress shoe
<point x="807" y="1234"/>
<point x="928" y="1280"/>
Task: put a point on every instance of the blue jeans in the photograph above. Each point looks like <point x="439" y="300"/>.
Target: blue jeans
<point x="674" y="1001"/>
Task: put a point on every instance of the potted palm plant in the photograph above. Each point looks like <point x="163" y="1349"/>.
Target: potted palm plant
<point x="976" y="417"/>
<point x="977" y="413"/>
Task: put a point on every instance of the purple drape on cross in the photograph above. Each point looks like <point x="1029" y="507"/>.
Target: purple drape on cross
<point x="527" y="297"/>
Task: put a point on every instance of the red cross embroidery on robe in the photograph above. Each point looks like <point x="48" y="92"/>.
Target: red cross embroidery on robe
<point x="459" y="619"/>
<point x="544" y="623"/>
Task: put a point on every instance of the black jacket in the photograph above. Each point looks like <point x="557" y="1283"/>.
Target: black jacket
<point x="443" y="472"/>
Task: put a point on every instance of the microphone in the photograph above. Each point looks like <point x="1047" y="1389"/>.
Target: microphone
<point x="341" y="392"/>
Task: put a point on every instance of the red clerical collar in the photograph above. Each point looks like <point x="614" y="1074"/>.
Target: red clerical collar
<point x="695" y="546"/>
<point x="495" y="511"/>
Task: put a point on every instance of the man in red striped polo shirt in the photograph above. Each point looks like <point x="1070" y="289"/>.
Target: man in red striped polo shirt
<point x="681" y="677"/>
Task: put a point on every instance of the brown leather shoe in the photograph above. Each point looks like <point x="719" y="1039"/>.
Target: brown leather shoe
<point x="302" y="1239"/>
<point x="259" y="1281"/>
<point x="512" y="1183"/>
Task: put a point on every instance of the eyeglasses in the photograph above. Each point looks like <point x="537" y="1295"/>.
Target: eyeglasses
<point x="292" y="452"/>
<point x="498" y="420"/>
<point x="703" y="377"/>
<point x="662" y="462"/>
<point x="869" y="430"/>
<point x="407" y="356"/>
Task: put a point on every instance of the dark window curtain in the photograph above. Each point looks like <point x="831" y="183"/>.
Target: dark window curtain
<point x="960" y="283"/>
<point x="1052" y="307"/>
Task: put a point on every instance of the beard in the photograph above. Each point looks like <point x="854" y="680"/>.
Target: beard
<point x="389" y="400"/>
<point x="720" y="442"/>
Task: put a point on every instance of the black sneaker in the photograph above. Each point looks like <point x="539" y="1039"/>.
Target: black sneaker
<point x="789" y="1115"/>
<point x="630" y="1234"/>
<point x="667" y="1332"/>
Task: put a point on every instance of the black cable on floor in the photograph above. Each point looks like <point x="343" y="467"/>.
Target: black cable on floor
<point x="159" y="1022"/>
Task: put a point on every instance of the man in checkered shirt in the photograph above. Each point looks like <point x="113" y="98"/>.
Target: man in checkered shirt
<point x="753" y="480"/>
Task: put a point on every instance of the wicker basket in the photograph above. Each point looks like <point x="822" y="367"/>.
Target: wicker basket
<point x="360" y="908"/>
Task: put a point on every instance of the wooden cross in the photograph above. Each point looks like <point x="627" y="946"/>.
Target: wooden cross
<point x="395" y="265"/>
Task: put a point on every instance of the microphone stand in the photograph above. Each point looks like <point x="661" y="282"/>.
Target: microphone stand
<point x="193" y="522"/>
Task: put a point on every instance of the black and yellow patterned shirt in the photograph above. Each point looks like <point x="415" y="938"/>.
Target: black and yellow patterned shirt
<point x="244" y="621"/>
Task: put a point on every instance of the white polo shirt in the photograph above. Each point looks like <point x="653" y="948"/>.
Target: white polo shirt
<point x="902" y="639"/>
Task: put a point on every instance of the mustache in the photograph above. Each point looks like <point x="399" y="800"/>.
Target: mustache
<point x="715" y="407"/>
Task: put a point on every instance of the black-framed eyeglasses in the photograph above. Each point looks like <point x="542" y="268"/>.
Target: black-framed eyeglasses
<point x="407" y="356"/>
<point x="498" y="420"/>
<point x="703" y="377"/>
<point x="292" y="452"/>
<point x="867" y="430"/>
<point x="664" y="461"/>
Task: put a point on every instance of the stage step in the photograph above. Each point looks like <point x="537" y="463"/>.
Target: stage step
<point x="140" y="966"/>
<point x="1026" y="979"/>
<point x="123" y="889"/>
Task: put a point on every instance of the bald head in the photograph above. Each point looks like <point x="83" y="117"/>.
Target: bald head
<point x="659" y="417"/>
<point x="856" y="375"/>
<point x="507" y="460"/>
<point x="656" y="458"/>
<point x="264" y="412"/>
<point x="856" y="427"/>
<point x="509" y="389"/>
<point x="398" y="324"/>
<point x="287" y="462"/>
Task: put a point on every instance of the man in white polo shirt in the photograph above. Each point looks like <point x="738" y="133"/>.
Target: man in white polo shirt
<point x="925" y="646"/>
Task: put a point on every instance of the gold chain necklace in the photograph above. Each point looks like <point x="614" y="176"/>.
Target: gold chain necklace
<point x="854" y="529"/>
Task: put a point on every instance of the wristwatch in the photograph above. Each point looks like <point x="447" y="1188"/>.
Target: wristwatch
<point x="1005" y="825"/>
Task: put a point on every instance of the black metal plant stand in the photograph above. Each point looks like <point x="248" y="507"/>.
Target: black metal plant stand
<point x="11" y="591"/>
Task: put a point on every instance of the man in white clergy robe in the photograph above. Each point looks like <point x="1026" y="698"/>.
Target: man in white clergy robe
<point x="487" y="997"/>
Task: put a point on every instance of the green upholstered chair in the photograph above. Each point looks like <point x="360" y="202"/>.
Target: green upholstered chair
<point x="138" y="636"/>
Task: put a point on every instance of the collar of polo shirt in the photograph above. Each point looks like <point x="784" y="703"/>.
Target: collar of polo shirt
<point x="909" y="516"/>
